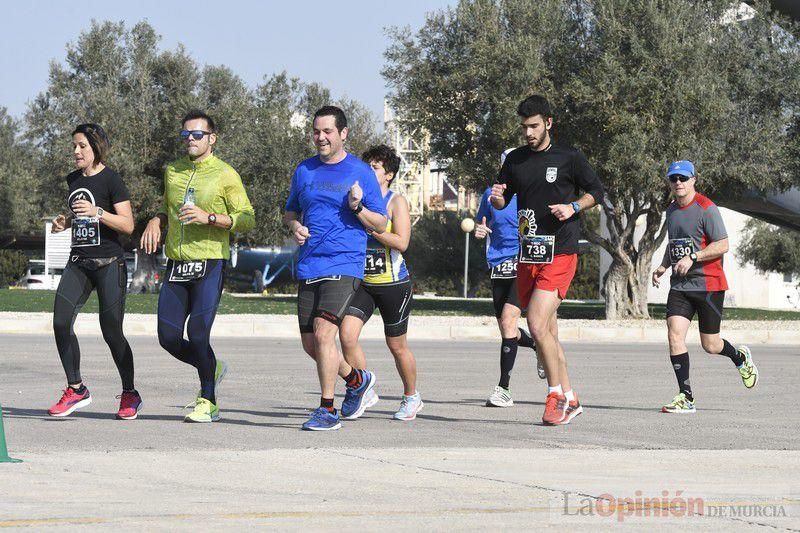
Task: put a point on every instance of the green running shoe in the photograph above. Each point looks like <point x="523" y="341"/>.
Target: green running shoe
<point x="204" y="411"/>
<point x="748" y="370"/>
<point x="679" y="404"/>
<point x="219" y="375"/>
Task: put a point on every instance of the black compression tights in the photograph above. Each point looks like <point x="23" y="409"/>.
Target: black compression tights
<point x="74" y="289"/>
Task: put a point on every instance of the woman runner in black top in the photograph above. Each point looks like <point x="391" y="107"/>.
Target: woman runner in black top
<point x="99" y="209"/>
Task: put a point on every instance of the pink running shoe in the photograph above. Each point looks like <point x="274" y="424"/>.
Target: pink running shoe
<point x="129" y="405"/>
<point x="70" y="401"/>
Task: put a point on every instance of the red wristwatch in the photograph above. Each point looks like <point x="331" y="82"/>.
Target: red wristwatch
<point x="212" y="219"/>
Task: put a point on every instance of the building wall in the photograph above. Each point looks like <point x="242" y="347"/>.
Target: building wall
<point x="747" y="286"/>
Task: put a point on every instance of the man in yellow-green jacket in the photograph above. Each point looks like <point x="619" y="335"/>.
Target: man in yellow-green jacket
<point x="204" y="202"/>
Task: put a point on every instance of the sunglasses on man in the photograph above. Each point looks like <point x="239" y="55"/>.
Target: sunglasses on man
<point x="674" y="178"/>
<point x="195" y="134"/>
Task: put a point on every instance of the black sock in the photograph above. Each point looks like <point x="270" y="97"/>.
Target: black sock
<point x="508" y="354"/>
<point x="79" y="390"/>
<point x="207" y="391"/>
<point x="732" y="353"/>
<point x="525" y="340"/>
<point x="680" y="364"/>
<point x="327" y="403"/>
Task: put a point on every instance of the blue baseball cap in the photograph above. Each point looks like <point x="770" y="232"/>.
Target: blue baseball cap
<point x="683" y="168"/>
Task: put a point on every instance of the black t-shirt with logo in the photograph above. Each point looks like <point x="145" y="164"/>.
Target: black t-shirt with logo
<point x="104" y="189"/>
<point x="556" y="175"/>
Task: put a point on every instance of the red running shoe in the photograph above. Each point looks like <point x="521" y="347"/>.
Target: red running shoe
<point x="70" y="400"/>
<point x="574" y="408"/>
<point x="555" y="408"/>
<point x="129" y="405"/>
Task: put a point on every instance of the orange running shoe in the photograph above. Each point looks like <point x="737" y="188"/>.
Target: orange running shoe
<point x="555" y="408"/>
<point x="574" y="408"/>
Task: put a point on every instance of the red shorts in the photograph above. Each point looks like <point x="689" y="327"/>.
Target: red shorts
<point x="555" y="276"/>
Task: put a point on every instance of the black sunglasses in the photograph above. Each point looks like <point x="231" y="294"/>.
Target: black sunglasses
<point x="196" y="134"/>
<point x="675" y="177"/>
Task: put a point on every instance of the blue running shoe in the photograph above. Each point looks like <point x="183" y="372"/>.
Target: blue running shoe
<point x="356" y="400"/>
<point x="322" y="420"/>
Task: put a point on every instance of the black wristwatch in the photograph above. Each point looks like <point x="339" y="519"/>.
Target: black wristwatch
<point x="693" y="257"/>
<point x="358" y="208"/>
<point x="212" y="219"/>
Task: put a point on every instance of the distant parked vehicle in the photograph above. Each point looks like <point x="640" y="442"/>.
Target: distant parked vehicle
<point x="36" y="278"/>
<point x="253" y="269"/>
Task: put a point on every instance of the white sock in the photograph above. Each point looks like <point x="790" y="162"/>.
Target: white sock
<point x="569" y="395"/>
<point x="556" y="389"/>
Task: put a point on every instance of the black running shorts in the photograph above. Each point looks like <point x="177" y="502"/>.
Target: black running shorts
<point x="707" y="305"/>
<point x="504" y="291"/>
<point x="326" y="297"/>
<point x="392" y="300"/>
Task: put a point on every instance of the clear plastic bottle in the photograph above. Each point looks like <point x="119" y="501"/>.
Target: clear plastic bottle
<point x="189" y="198"/>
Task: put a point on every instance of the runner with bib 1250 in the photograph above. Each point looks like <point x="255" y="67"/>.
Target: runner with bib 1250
<point x="499" y="228"/>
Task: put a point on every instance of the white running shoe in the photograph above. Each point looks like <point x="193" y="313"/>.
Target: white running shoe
<point x="409" y="407"/>
<point x="500" y="398"/>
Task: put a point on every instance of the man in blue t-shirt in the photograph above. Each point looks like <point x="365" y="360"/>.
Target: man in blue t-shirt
<point x="333" y="198"/>
<point x="499" y="227"/>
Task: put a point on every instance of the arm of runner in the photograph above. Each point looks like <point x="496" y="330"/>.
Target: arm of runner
<point x="481" y="229"/>
<point x="400" y="236"/>
<point x="151" y="236"/>
<point x="587" y="181"/>
<point x="564" y="211"/>
<point x="498" y="195"/>
<point x="299" y="231"/>
<point x="241" y="215"/>
<point x="714" y="250"/>
<point x="369" y="204"/>
<point x="60" y="223"/>
<point x="122" y="222"/>
<point x="659" y="271"/>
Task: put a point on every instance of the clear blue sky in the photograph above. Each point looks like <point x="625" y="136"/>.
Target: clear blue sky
<point x="339" y="44"/>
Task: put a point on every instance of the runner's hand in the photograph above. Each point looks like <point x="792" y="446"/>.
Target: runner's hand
<point x="191" y="214"/>
<point x="497" y="192"/>
<point x="151" y="237"/>
<point x="682" y="267"/>
<point x="300" y="234"/>
<point x="59" y="224"/>
<point x="562" y="211"/>
<point x="355" y="196"/>
<point x="84" y="208"/>
<point x="657" y="273"/>
<point x="481" y="229"/>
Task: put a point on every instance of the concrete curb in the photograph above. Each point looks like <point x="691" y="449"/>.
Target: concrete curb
<point x="422" y="327"/>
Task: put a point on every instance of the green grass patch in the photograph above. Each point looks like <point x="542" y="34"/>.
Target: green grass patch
<point x="42" y="301"/>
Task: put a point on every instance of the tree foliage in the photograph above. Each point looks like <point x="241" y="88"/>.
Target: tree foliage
<point x="771" y="249"/>
<point x="634" y="85"/>
<point x="118" y="77"/>
<point x="17" y="185"/>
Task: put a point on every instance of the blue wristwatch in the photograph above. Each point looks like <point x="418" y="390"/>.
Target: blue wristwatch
<point x="576" y="206"/>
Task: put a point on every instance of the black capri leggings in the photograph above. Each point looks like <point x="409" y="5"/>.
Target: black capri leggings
<point x="76" y="285"/>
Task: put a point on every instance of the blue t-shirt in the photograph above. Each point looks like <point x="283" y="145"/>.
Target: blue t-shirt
<point x="337" y="244"/>
<point x="503" y="242"/>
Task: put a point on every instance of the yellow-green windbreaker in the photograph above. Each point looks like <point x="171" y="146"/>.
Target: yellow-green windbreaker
<point x="218" y="189"/>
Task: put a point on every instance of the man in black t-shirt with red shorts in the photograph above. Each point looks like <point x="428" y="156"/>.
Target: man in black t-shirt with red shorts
<point x="547" y="180"/>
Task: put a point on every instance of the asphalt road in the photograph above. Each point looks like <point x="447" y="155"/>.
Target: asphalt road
<point x="460" y="465"/>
